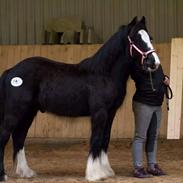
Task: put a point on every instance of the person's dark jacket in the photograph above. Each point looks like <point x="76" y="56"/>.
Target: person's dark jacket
<point x="144" y="87"/>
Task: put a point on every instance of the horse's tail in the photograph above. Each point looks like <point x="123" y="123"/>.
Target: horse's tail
<point x="2" y="95"/>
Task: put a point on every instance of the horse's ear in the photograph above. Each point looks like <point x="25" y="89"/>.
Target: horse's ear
<point x="133" y="22"/>
<point x="143" y="20"/>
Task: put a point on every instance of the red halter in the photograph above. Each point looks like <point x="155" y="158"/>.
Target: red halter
<point x="143" y="54"/>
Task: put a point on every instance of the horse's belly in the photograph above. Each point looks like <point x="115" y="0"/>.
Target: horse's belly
<point x="67" y="106"/>
<point x="73" y="111"/>
<point x="70" y="111"/>
<point x="66" y="96"/>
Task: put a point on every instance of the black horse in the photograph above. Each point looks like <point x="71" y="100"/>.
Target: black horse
<point x="95" y="87"/>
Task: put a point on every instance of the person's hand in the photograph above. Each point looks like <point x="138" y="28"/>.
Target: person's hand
<point x="166" y="80"/>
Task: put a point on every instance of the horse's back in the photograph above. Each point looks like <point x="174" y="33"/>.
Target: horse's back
<point x="59" y="88"/>
<point x="41" y="63"/>
<point x="34" y="70"/>
<point x="53" y="86"/>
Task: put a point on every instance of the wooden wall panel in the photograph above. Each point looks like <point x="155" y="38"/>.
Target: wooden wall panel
<point x="48" y="125"/>
<point x="164" y="51"/>
<point x="23" y="21"/>
<point x="181" y="130"/>
<point x="176" y="74"/>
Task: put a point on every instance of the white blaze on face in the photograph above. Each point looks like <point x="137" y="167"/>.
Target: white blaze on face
<point x="146" y="39"/>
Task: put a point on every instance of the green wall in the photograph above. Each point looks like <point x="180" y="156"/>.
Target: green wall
<point x="23" y="21"/>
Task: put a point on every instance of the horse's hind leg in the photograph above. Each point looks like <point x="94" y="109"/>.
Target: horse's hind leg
<point x="4" y="137"/>
<point x="94" y="169"/>
<point x="6" y="128"/>
<point x="19" y="134"/>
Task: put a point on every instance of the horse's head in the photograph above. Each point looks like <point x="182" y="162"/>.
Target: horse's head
<point x="140" y="44"/>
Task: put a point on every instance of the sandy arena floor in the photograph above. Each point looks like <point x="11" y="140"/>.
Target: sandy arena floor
<point x="64" y="162"/>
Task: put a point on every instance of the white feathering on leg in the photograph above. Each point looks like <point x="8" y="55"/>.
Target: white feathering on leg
<point x="106" y="165"/>
<point x="94" y="169"/>
<point x="5" y="177"/>
<point x="22" y="168"/>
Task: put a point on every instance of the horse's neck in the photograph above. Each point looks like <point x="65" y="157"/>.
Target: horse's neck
<point x="104" y="60"/>
<point x="106" y="56"/>
<point x="121" y="71"/>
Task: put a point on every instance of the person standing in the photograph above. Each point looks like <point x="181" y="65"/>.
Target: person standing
<point x="147" y="102"/>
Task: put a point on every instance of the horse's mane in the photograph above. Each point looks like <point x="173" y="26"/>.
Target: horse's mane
<point x="102" y="61"/>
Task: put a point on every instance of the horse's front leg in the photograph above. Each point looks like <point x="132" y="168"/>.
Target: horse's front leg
<point x="105" y="143"/>
<point x="95" y="169"/>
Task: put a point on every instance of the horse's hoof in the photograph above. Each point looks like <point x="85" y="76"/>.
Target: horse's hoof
<point x="110" y="172"/>
<point x="95" y="178"/>
<point x="3" y="178"/>
<point x="100" y="176"/>
<point x="26" y="173"/>
<point x="30" y="173"/>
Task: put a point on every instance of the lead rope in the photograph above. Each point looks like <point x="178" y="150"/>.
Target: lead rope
<point x="150" y="77"/>
<point x="168" y="91"/>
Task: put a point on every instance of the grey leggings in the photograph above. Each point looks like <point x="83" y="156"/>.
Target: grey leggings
<point x="147" y="124"/>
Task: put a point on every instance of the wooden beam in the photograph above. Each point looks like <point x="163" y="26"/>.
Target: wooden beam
<point x="176" y="80"/>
